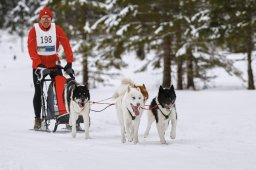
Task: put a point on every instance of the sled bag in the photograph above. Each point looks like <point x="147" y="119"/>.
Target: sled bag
<point x="60" y="82"/>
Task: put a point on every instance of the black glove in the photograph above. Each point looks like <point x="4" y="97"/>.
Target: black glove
<point x="68" y="69"/>
<point x="67" y="66"/>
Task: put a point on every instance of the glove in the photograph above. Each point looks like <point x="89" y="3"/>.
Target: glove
<point x="68" y="69"/>
<point x="70" y="72"/>
<point x="67" y="66"/>
<point x="41" y="72"/>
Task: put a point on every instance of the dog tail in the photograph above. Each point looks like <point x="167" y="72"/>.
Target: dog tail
<point x="127" y="81"/>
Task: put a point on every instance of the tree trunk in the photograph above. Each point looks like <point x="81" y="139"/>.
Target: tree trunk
<point x="180" y="59"/>
<point x="167" y="62"/>
<point x="249" y="59"/>
<point x="250" y="73"/>
<point x="84" y="50"/>
<point x="85" y="68"/>
<point x="180" y="73"/>
<point x="190" y="71"/>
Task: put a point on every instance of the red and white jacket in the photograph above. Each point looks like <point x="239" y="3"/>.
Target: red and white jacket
<point x="48" y="61"/>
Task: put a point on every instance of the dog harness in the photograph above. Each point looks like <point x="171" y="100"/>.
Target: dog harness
<point x="160" y="106"/>
<point x="133" y="117"/>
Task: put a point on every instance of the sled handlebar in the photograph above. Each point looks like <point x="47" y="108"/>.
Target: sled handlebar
<point x="42" y="73"/>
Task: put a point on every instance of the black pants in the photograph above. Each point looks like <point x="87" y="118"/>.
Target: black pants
<point x="37" y="103"/>
<point x="37" y="96"/>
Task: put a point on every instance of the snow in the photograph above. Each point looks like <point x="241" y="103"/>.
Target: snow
<point x="122" y="30"/>
<point x="216" y="127"/>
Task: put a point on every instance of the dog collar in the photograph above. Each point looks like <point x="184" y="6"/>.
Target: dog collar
<point x="133" y="117"/>
<point x="159" y="107"/>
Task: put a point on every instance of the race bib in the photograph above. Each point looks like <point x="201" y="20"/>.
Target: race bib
<point x="46" y="40"/>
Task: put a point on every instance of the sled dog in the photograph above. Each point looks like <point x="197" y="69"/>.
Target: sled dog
<point x="77" y="102"/>
<point x="129" y="105"/>
<point x="163" y="111"/>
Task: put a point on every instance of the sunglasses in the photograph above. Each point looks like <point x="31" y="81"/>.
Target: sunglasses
<point x="46" y="19"/>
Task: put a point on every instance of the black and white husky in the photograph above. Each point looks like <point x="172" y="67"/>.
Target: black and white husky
<point x="77" y="102"/>
<point x="163" y="111"/>
<point x="129" y="105"/>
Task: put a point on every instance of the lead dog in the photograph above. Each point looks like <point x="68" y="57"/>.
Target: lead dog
<point x="129" y="110"/>
<point x="77" y="102"/>
<point x="163" y="111"/>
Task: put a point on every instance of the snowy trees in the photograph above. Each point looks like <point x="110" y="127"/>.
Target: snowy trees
<point x="18" y="19"/>
<point x="181" y="33"/>
<point x="235" y="22"/>
<point x="184" y="35"/>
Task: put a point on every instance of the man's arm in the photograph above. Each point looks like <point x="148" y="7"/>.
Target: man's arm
<point x="61" y="35"/>
<point x="32" y="47"/>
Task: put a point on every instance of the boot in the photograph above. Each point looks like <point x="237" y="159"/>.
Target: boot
<point x="38" y="122"/>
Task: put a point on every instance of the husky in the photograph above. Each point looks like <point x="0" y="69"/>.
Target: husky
<point x="163" y="111"/>
<point x="129" y="105"/>
<point x="77" y="102"/>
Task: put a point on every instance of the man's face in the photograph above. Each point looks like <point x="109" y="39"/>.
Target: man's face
<point x="46" y="21"/>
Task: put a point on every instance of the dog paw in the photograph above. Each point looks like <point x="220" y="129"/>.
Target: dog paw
<point x="88" y="137"/>
<point x="73" y="135"/>
<point x="173" y="135"/>
<point x="145" y="135"/>
<point x="123" y="140"/>
<point x="135" y="142"/>
<point x="163" y="141"/>
<point x="130" y="139"/>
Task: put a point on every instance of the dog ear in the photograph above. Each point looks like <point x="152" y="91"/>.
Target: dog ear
<point x="87" y="85"/>
<point x="172" y="88"/>
<point x="144" y="86"/>
<point x="161" y="88"/>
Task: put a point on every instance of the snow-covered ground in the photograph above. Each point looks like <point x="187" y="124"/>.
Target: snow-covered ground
<point x="216" y="127"/>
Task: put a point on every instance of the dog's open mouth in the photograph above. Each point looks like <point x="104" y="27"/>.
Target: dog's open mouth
<point x="135" y="109"/>
<point x="81" y="104"/>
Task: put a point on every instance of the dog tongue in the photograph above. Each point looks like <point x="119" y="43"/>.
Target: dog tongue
<point x="136" y="110"/>
<point x="81" y="105"/>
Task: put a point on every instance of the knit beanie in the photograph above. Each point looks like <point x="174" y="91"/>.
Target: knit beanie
<point x="45" y="11"/>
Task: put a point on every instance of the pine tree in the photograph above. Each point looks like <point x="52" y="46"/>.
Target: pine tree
<point x="235" y="24"/>
<point x="78" y="28"/>
<point x="18" y="20"/>
<point x="5" y="7"/>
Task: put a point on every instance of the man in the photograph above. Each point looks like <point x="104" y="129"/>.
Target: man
<point x="43" y="42"/>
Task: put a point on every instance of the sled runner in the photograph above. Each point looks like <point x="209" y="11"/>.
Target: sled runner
<point x="53" y="107"/>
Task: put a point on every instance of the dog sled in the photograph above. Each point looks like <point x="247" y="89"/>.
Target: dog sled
<point x="52" y="83"/>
